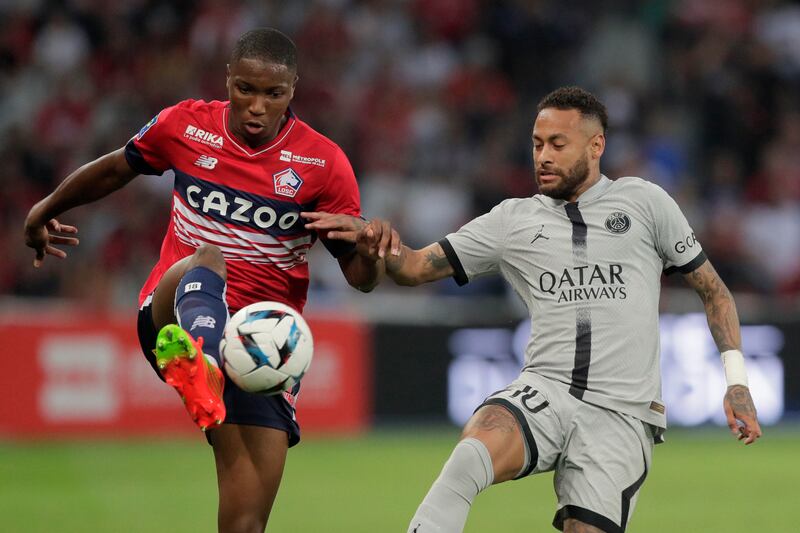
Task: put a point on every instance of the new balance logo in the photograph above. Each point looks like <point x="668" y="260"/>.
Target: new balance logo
<point x="286" y="155"/>
<point x="193" y="286"/>
<point x="206" y="161"/>
<point x="193" y="133"/>
<point x="203" y="322"/>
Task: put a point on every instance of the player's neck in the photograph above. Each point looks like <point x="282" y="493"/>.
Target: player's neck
<point x="591" y="180"/>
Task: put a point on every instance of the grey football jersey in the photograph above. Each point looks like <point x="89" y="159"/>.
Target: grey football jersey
<point x="590" y="273"/>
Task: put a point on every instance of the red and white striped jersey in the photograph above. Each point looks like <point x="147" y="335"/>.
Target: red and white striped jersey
<point x="245" y="201"/>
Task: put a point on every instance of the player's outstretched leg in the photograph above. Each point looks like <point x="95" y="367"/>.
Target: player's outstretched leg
<point x="467" y="472"/>
<point x="491" y="451"/>
<point x="198" y="381"/>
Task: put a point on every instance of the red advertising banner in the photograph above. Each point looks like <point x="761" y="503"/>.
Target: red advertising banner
<point x="82" y="375"/>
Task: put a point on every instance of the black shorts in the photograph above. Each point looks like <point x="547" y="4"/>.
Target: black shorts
<point x="242" y="407"/>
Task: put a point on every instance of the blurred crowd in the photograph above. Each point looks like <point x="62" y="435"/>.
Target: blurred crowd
<point x="432" y="100"/>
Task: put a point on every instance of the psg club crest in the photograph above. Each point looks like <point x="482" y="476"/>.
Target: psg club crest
<point x="287" y="182"/>
<point x="618" y="222"/>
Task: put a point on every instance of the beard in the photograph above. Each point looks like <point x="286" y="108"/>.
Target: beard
<point x="570" y="181"/>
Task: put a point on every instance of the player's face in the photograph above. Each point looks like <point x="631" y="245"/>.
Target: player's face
<point x="259" y="93"/>
<point x="566" y="152"/>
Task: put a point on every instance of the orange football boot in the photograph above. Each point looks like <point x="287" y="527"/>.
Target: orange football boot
<point x="198" y="382"/>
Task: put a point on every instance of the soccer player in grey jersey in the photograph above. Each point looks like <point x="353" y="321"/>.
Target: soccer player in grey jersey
<point x="586" y="255"/>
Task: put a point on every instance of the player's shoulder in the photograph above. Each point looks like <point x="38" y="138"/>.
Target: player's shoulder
<point x="317" y="145"/>
<point x="633" y="186"/>
<point x="194" y="108"/>
<point x="511" y="207"/>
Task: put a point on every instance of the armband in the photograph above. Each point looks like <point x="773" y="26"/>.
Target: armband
<point x="733" y="361"/>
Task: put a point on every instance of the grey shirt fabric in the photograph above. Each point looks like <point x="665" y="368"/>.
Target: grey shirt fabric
<point x="589" y="272"/>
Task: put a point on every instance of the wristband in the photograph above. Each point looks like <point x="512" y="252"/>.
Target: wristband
<point x="733" y="361"/>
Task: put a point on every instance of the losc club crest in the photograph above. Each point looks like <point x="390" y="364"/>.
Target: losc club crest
<point x="618" y="222"/>
<point x="287" y="182"/>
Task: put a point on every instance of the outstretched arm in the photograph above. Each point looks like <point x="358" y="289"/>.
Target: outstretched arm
<point x="377" y="241"/>
<point x="90" y="182"/>
<point x="415" y="267"/>
<point x="723" y="322"/>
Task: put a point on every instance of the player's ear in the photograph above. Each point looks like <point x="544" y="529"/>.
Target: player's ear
<point x="598" y="145"/>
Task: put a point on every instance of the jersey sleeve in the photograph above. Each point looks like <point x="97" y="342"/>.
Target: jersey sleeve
<point x="146" y="152"/>
<point x="477" y="248"/>
<point x="677" y="245"/>
<point x="340" y="195"/>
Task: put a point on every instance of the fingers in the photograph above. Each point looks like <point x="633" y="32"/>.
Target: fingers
<point x="396" y="243"/>
<point x="37" y="260"/>
<point x="314" y="215"/>
<point x="348" y="236"/>
<point x="52" y="250"/>
<point x="750" y="431"/>
<point x="732" y="423"/>
<point x="385" y="238"/>
<point x="68" y="241"/>
<point x="55" y="225"/>
<point x="325" y="221"/>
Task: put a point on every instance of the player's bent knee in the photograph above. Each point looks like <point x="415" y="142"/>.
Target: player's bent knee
<point x="499" y="431"/>
<point x="210" y="257"/>
<point x="242" y="522"/>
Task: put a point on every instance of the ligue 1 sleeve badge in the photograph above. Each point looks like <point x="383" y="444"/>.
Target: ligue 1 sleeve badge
<point x="287" y="182"/>
<point x="146" y="127"/>
<point x="618" y="222"/>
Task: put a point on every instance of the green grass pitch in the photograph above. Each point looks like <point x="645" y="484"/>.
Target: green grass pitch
<point x="702" y="481"/>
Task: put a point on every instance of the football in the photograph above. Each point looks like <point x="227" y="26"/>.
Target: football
<point x="267" y="348"/>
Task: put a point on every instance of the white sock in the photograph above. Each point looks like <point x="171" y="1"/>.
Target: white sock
<point x="467" y="472"/>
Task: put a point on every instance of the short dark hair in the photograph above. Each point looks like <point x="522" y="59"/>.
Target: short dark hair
<point x="268" y="45"/>
<point x="576" y="98"/>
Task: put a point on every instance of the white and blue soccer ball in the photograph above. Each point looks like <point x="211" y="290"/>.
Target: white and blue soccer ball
<point x="267" y="348"/>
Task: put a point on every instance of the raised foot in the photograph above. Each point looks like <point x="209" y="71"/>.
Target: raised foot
<point x="198" y="382"/>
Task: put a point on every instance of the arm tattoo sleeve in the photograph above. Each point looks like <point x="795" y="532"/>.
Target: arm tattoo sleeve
<point x="436" y="262"/>
<point x="723" y="320"/>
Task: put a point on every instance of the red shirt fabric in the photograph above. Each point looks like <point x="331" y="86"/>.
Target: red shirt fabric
<point x="247" y="201"/>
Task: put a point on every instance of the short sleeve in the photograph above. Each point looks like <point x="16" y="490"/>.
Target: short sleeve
<point x="477" y="248"/>
<point x="340" y="195"/>
<point x="146" y="151"/>
<point x="677" y="245"/>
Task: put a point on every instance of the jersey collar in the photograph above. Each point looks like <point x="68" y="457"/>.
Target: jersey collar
<point x="282" y="134"/>
<point x="592" y="193"/>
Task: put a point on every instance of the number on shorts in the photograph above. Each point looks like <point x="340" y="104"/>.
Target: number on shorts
<point x="528" y="393"/>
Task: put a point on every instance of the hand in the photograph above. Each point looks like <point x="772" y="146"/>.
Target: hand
<point x="334" y="226"/>
<point x="39" y="237"/>
<point x="741" y="414"/>
<point x="372" y="239"/>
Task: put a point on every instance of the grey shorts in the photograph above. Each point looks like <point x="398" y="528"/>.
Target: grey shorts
<point x="600" y="457"/>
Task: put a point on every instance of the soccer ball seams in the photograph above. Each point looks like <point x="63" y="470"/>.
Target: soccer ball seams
<point x="258" y="355"/>
<point x="267" y="348"/>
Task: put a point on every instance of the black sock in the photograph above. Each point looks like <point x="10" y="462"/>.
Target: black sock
<point x="201" y="309"/>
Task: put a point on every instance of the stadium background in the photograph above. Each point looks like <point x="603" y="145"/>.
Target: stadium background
<point x="433" y="101"/>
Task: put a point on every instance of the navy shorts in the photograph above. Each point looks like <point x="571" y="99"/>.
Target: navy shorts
<point x="242" y="407"/>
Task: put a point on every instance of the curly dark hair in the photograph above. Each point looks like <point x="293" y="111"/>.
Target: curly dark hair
<point x="576" y="98"/>
<point x="268" y="45"/>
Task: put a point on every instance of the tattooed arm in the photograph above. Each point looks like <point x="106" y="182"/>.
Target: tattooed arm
<point x="723" y="322"/>
<point x="414" y="267"/>
<point x="376" y="240"/>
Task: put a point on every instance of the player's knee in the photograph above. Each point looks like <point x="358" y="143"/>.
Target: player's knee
<point x="497" y="428"/>
<point x="210" y="257"/>
<point x="243" y="521"/>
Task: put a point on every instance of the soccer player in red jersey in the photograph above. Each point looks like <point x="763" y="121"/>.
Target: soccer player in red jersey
<point x="244" y="171"/>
